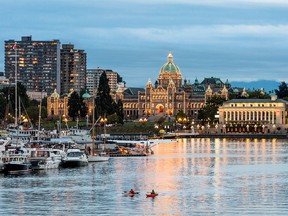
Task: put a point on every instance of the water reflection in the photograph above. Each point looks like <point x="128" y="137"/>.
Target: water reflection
<point x="192" y="176"/>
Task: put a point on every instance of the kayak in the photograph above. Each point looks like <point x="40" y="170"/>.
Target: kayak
<point x="151" y="195"/>
<point x="127" y="193"/>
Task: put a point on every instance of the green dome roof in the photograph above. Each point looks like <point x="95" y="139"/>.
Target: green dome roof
<point x="55" y="94"/>
<point x="86" y="95"/>
<point x="170" y="67"/>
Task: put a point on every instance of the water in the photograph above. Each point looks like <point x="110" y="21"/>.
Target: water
<point x="192" y="177"/>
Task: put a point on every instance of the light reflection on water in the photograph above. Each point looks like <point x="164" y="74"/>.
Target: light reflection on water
<point x="192" y="176"/>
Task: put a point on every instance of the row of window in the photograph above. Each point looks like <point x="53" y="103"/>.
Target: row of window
<point x="252" y="105"/>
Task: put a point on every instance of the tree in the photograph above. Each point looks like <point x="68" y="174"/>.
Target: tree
<point x="283" y="91"/>
<point x="104" y="101"/>
<point x="74" y="105"/>
<point x="120" y="112"/>
<point x="208" y="112"/>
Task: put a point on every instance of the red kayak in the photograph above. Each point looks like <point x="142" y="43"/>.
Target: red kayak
<point x="151" y="195"/>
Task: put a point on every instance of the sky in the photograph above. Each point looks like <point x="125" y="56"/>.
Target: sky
<point x="238" y="40"/>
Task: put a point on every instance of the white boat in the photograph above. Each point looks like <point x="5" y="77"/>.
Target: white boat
<point x="75" y="158"/>
<point x="101" y="157"/>
<point x="42" y="159"/>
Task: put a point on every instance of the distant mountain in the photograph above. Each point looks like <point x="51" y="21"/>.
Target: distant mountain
<point x="268" y="85"/>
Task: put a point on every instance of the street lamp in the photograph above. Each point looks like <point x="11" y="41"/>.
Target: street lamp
<point x="263" y="126"/>
<point x="224" y="128"/>
<point x="255" y="127"/>
<point x="104" y="120"/>
<point x="143" y="120"/>
<point x="66" y="121"/>
<point x="247" y="128"/>
<point x="274" y="127"/>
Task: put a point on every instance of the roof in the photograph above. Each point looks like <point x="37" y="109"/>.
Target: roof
<point x="132" y="92"/>
<point x="170" y="66"/>
<point x="212" y="80"/>
<point x="253" y="100"/>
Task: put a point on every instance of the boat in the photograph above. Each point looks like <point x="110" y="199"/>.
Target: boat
<point x="101" y="157"/>
<point x="42" y="159"/>
<point x="75" y="158"/>
<point x="128" y="193"/>
<point x="151" y="195"/>
<point x="17" y="164"/>
<point x="92" y="155"/>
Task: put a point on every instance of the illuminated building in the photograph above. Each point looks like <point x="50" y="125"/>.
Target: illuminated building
<point x="38" y="63"/>
<point x="73" y="69"/>
<point x="168" y="95"/>
<point x="252" y="115"/>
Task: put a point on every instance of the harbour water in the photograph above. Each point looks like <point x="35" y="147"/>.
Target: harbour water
<point x="192" y="176"/>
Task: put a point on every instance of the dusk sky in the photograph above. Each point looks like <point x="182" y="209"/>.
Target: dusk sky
<point x="231" y="39"/>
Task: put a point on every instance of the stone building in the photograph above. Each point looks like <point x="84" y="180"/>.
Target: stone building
<point x="168" y="95"/>
<point x="56" y="105"/>
<point x="253" y="115"/>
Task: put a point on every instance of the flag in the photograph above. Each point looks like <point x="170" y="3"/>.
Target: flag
<point x="14" y="46"/>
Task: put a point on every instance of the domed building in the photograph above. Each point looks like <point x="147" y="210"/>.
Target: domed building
<point x="166" y="97"/>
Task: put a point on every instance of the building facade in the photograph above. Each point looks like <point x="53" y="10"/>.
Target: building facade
<point x="56" y="105"/>
<point x="253" y="115"/>
<point x="73" y="69"/>
<point x="93" y="78"/>
<point x="167" y="96"/>
<point x="38" y="63"/>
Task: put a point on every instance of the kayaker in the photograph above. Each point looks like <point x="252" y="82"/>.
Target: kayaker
<point x="132" y="191"/>
<point x="153" y="192"/>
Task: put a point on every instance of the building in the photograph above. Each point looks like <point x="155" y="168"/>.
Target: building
<point x="167" y="96"/>
<point x="38" y="63"/>
<point x="253" y="115"/>
<point x="93" y="78"/>
<point x="56" y="105"/>
<point x="73" y="69"/>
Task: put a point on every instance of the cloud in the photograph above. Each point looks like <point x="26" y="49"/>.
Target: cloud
<point x="226" y="3"/>
<point x="190" y="33"/>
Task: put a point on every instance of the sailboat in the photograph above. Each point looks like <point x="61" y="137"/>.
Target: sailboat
<point x="93" y="157"/>
<point x="18" y="163"/>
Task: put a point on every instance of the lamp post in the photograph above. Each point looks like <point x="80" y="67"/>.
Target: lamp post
<point x="224" y="128"/>
<point x="104" y="120"/>
<point x="216" y="128"/>
<point x="255" y="128"/>
<point x="274" y="127"/>
<point x="66" y="121"/>
<point x="263" y="126"/>
<point x="247" y="128"/>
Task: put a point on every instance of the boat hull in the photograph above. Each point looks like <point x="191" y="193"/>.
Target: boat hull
<point x="11" y="168"/>
<point x="97" y="158"/>
<point x="151" y="195"/>
<point x="74" y="163"/>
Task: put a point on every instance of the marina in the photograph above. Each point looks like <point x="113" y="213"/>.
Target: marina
<point x="193" y="176"/>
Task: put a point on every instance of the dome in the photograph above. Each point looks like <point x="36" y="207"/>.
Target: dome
<point x="55" y="94"/>
<point x="170" y="67"/>
<point x="86" y="95"/>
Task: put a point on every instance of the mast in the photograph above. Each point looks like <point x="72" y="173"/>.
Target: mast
<point x="93" y="120"/>
<point x="16" y="94"/>
<point x="39" y="121"/>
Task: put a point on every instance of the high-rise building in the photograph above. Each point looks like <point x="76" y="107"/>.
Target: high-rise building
<point x="38" y="63"/>
<point x="73" y="69"/>
<point x="93" y="78"/>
